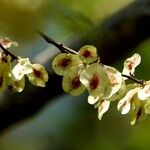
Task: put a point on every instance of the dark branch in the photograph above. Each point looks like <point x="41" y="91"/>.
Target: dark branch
<point x="142" y="82"/>
<point x="61" y="47"/>
<point x="14" y="57"/>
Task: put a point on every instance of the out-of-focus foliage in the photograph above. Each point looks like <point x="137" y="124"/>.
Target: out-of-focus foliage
<point x="97" y="9"/>
<point x="20" y="18"/>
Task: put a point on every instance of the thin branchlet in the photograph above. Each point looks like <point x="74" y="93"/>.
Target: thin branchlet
<point x="60" y="46"/>
<point x="14" y="57"/>
<point x="142" y="82"/>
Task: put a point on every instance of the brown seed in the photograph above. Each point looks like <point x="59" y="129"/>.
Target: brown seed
<point x="94" y="82"/>
<point x="75" y="83"/>
<point x="86" y="53"/>
<point x="65" y="62"/>
<point x="37" y="73"/>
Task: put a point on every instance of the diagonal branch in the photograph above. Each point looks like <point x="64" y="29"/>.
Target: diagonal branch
<point x="14" y="57"/>
<point x="61" y="47"/>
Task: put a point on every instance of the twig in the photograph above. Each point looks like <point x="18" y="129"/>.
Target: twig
<point x="14" y="57"/>
<point x="60" y="46"/>
<point x="142" y="82"/>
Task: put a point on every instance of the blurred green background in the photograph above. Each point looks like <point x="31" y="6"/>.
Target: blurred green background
<point x="68" y="123"/>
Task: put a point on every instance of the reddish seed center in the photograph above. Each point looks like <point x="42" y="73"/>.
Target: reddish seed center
<point x="130" y="65"/>
<point x="64" y="62"/>
<point x="94" y="82"/>
<point x="37" y="73"/>
<point x="75" y="83"/>
<point x="86" y="53"/>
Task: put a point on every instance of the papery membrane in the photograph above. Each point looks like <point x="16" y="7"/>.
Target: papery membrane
<point x="88" y="54"/>
<point x="124" y="104"/>
<point x="23" y="67"/>
<point x="103" y="107"/>
<point x="71" y="81"/>
<point x="63" y="61"/>
<point x="38" y="76"/>
<point x="130" y="64"/>
<point x="95" y="79"/>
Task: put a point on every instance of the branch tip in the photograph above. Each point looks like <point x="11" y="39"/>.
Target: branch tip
<point x="60" y="46"/>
